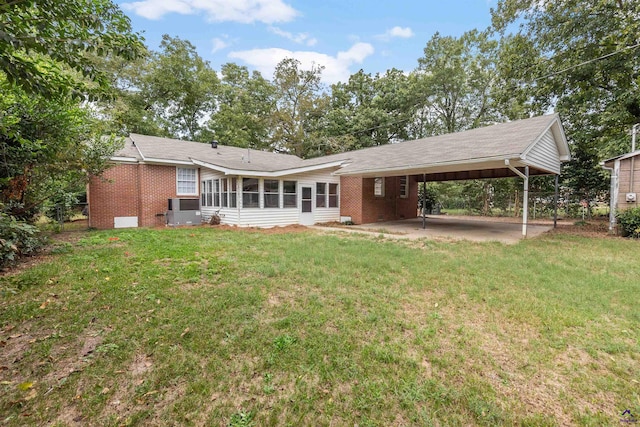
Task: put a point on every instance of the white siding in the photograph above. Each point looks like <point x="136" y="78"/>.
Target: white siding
<point x="544" y="154"/>
<point x="273" y="217"/>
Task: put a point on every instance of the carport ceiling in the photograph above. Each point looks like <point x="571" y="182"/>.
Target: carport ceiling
<point x="538" y="143"/>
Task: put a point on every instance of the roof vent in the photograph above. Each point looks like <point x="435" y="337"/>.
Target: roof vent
<point x="214" y="144"/>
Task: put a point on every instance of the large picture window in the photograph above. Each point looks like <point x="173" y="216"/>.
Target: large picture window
<point x="333" y="195"/>
<point x="271" y="193"/>
<point x="250" y="193"/>
<point x="186" y="181"/>
<point x="290" y="196"/>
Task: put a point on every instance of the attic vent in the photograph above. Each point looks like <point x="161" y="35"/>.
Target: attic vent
<point x="214" y="144"/>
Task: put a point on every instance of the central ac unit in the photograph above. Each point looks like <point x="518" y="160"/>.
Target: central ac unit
<point x="183" y="212"/>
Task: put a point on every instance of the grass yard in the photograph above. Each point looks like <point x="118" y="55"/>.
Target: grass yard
<point x="208" y="326"/>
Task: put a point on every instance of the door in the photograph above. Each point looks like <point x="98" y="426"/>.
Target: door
<point x="306" y="205"/>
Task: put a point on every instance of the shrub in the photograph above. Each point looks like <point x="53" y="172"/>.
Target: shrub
<point x="629" y="222"/>
<point x="17" y="238"/>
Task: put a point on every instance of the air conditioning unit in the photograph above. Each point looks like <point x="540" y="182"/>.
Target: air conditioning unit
<point x="630" y="197"/>
<point x="183" y="212"/>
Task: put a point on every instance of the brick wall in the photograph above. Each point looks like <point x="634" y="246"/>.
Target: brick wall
<point x="359" y="202"/>
<point x="131" y="190"/>
<point x="114" y="194"/>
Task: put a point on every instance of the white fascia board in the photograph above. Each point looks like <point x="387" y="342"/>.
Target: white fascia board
<point x="119" y="159"/>
<point x="151" y="160"/>
<point x="389" y="171"/>
<point x="269" y="174"/>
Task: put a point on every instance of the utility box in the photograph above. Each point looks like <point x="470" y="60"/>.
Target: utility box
<point x="630" y="197"/>
<point x="183" y="212"/>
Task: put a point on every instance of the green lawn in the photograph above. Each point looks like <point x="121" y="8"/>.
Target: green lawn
<point x="206" y="326"/>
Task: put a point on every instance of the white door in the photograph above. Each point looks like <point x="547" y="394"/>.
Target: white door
<point x="306" y="204"/>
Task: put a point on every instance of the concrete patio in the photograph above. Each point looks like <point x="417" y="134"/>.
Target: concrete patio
<point x="479" y="229"/>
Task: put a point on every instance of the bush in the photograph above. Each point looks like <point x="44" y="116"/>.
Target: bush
<point x="629" y="222"/>
<point x="17" y="238"/>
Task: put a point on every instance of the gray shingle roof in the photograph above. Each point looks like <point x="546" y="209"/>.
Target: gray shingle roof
<point x="501" y="141"/>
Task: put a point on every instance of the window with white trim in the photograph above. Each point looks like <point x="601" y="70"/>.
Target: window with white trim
<point x="271" y="193"/>
<point x="250" y="193"/>
<point x="216" y="193"/>
<point x="233" y="193"/>
<point x="404" y="186"/>
<point x="224" y="192"/>
<point x="290" y="196"/>
<point x="186" y="181"/>
<point x="333" y="195"/>
<point x="378" y="187"/>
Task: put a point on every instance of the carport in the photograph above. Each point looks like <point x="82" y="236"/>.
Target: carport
<point x="522" y="148"/>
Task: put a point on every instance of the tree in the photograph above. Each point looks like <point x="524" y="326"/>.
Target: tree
<point x="583" y="60"/>
<point x="456" y="79"/>
<point x="371" y="110"/>
<point x="300" y="108"/>
<point x="41" y="41"/>
<point x="245" y="104"/>
<point x="179" y="88"/>
<point x="47" y="148"/>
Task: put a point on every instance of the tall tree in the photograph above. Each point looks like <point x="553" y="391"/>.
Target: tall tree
<point x="40" y="41"/>
<point x="245" y="103"/>
<point x="371" y="110"/>
<point x="584" y="58"/>
<point x="180" y="89"/>
<point x="456" y="78"/>
<point x="299" y="109"/>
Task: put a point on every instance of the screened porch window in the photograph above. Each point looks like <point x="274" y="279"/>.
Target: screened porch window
<point x="250" y="193"/>
<point x="321" y="195"/>
<point x="271" y="193"/>
<point x="290" y="197"/>
<point x="333" y="195"/>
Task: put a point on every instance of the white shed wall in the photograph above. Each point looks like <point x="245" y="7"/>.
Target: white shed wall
<point x="544" y="154"/>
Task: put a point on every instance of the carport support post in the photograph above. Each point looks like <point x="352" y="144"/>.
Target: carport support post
<point x="555" y="205"/>
<point x="525" y="197"/>
<point x="424" y="201"/>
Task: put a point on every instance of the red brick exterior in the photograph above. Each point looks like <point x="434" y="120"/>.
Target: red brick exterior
<point x="359" y="202"/>
<point x="131" y="190"/>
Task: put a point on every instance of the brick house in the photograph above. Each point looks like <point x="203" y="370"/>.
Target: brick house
<point x="256" y="188"/>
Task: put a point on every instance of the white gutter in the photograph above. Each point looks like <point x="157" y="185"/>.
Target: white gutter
<point x="525" y="197"/>
<point x="270" y="174"/>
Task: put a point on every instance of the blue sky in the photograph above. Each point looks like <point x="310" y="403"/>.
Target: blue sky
<point x="344" y="36"/>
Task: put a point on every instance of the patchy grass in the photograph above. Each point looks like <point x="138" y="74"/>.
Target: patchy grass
<point x="212" y="326"/>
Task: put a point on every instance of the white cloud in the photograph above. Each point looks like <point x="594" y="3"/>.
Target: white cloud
<point x="396" y="31"/>
<point x="243" y="11"/>
<point x="219" y="44"/>
<point x="300" y="38"/>
<point x="336" y="68"/>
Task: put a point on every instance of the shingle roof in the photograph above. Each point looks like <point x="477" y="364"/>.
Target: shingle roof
<point x="498" y="142"/>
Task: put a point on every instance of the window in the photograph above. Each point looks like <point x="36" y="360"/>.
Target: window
<point x="378" y="187"/>
<point x="306" y="200"/>
<point x="187" y="181"/>
<point x="250" y="193"/>
<point x="271" y="193"/>
<point x="206" y="196"/>
<point x="233" y="194"/>
<point x="333" y="195"/>
<point x="216" y="193"/>
<point x="321" y="195"/>
<point x="404" y="186"/>
<point x="290" y="197"/>
<point x="224" y="182"/>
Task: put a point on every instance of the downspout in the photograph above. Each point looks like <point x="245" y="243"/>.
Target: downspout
<point x="525" y="197"/>
<point x="612" y="197"/>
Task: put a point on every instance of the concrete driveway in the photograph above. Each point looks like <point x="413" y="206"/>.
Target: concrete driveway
<point x="506" y="230"/>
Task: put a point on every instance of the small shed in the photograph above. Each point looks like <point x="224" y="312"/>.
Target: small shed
<point x="625" y="183"/>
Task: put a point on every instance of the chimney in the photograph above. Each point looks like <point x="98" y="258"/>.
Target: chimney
<point x="214" y="144"/>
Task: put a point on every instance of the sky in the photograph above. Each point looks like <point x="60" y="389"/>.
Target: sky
<point x="343" y="36"/>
